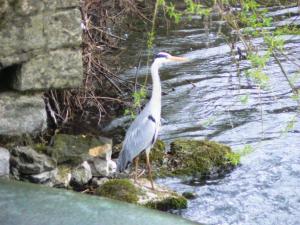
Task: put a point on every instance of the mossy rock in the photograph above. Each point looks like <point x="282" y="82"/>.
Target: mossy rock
<point x="201" y="159"/>
<point x="170" y="203"/>
<point x="156" y="155"/>
<point x="119" y="189"/>
<point x="72" y="149"/>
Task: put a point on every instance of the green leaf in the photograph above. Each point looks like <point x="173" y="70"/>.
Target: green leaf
<point x="244" y="99"/>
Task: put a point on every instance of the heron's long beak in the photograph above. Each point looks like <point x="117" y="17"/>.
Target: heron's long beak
<point x="178" y="59"/>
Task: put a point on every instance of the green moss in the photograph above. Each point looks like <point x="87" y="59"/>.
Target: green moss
<point x="157" y="154"/>
<point x="119" y="189"/>
<point x="15" y="140"/>
<point x="40" y="147"/>
<point x="198" y="158"/>
<point x="72" y="149"/>
<point x="175" y="202"/>
<point x="234" y="158"/>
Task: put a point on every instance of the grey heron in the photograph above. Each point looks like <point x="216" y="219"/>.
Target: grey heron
<point x="143" y="132"/>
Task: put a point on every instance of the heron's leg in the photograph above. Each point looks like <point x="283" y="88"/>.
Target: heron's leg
<point x="149" y="168"/>
<point x="136" y="161"/>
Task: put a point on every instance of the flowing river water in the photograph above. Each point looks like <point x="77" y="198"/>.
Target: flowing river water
<point x="203" y="100"/>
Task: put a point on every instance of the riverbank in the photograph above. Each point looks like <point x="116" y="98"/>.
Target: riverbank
<point x="83" y="163"/>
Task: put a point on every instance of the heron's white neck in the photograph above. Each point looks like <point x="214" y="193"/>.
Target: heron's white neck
<point x="156" y="88"/>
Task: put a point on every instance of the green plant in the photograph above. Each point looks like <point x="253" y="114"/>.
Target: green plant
<point x="235" y="157"/>
<point x="138" y="98"/>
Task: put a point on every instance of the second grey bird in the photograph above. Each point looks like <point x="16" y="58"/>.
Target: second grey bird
<point x="143" y="132"/>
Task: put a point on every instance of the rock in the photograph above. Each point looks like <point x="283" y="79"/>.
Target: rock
<point x="40" y="49"/>
<point x="27" y="164"/>
<point x="28" y="7"/>
<point x="46" y="177"/>
<point x="39" y="72"/>
<point x="189" y="195"/>
<point x="102" y="167"/>
<point x="4" y="162"/>
<point x="81" y="175"/>
<point x="98" y="182"/>
<point x="43" y="41"/>
<point x="66" y="27"/>
<point x="125" y="190"/>
<point x="29" y="27"/>
<point x="119" y="189"/>
<point x="200" y="159"/>
<point x="72" y="149"/>
<point x="170" y="203"/>
<point x="100" y="151"/>
<point x="62" y="177"/>
<point x="58" y="4"/>
<point x="99" y="167"/>
<point x="21" y="114"/>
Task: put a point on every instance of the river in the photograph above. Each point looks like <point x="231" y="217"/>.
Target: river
<point x="203" y="101"/>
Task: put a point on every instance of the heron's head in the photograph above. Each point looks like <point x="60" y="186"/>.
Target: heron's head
<point x="164" y="57"/>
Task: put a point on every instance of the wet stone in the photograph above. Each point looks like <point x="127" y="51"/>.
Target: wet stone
<point x="50" y="70"/>
<point x="21" y="114"/>
<point x="80" y="176"/>
<point x="72" y="149"/>
<point x="27" y="164"/>
<point x="4" y="162"/>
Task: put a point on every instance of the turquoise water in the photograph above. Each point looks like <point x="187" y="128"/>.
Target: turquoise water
<point x="30" y="204"/>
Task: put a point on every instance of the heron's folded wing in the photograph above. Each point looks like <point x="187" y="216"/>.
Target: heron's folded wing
<point x="140" y="136"/>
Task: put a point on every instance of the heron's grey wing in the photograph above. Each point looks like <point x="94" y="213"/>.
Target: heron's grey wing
<point x="140" y="135"/>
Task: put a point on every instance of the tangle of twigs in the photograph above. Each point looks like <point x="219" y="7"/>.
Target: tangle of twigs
<point x="102" y="92"/>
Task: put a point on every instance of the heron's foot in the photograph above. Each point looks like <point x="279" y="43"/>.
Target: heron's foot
<point x="152" y="188"/>
<point x="136" y="182"/>
<point x="137" y="176"/>
<point x="149" y="185"/>
<point x="141" y="174"/>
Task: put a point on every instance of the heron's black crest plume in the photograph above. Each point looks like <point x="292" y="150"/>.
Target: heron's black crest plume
<point x="161" y="55"/>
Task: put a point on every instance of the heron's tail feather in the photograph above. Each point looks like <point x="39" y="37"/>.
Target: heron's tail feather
<point x="123" y="161"/>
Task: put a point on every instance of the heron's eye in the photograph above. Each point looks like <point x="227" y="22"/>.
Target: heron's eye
<point x="161" y="55"/>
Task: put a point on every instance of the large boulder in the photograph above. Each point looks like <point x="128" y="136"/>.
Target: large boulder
<point x="200" y="159"/>
<point x="55" y="69"/>
<point x="119" y="189"/>
<point x="74" y="149"/>
<point x="4" y="162"/>
<point x="21" y="114"/>
<point x="140" y="193"/>
<point x="27" y="164"/>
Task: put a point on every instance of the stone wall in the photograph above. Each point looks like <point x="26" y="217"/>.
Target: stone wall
<point x="40" y="50"/>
